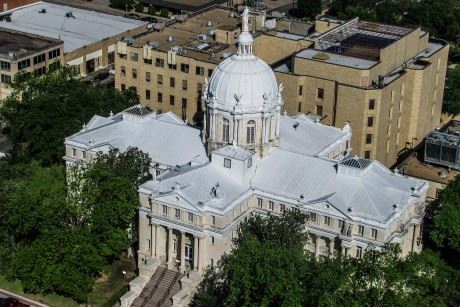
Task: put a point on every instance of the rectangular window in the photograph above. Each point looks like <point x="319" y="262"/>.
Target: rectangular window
<point x="177" y="214"/>
<point x="282" y="208"/>
<point x="209" y="72"/>
<point x="159" y="62"/>
<point x="134" y="73"/>
<point x="5" y="65"/>
<point x="190" y="217"/>
<point x="184" y="103"/>
<point x="227" y="163"/>
<point x="299" y="108"/>
<point x="147" y="77"/>
<point x="212" y="242"/>
<point x="213" y="220"/>
<point x="184" y="85"/>
<point x="300" y="90"/>
<point x="368" y="138"/>
<point x="133" y="56"/>
<point x="6" y="79"/>
<point x="165" y="210"/>
<point x="54" y="53"/>
<point x="259" y="202"/>
<point x="341" y="224"/>
<point x="147" y="94"/>
<point x="374" y="234"/>
<point x="148" y="61"/>
<point x="199" y="71"/>
<point x="84" y="154"/>
<point x="367" y="154"/>
<point x="319" y="110"/>
<point x="40" y="71"/>
<point x="171" y="99"/>
<point x="39" y="58"/>
<point x="172" y="66"/>
<point x="172" y="82"/>
<point x="313" y="217"/>
<point x="371" y="104"/>
<point x="160" y="79"/>
<point x="122" y="71"/>
<point x="250" y="162"/>
<point x="160" y="97"/>
<point x="271" y="205"/>
<point x="359" y="252"/>
<point x="361" y="230"/>
<point x="327" y="220"/>
<point x="74" y="152"/>
<point x="123" y="87"/>
<point x="199" y="88"/>
<point x="24" y="64"/>
<point x="184" y="68"/>
<point x="320" y="93"/>
<point x="370" y="121"/>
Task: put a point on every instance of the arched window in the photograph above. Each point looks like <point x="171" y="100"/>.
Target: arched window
<point x="251" y="132"/>
<point x="226" y="131"/>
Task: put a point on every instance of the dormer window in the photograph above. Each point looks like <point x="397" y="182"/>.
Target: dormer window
<point x="227" y="163"/>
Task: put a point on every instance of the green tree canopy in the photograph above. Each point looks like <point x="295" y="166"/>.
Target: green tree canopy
<point x="452" y="91"/>
<point x="43" y="110"/>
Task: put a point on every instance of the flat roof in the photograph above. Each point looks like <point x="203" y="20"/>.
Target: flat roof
<point x="83" y="28"/>
<point x="185" y="35"/>
<point x="187" y="5"/>
<point x="337" y="59"/>
<point x="23" y="44"/>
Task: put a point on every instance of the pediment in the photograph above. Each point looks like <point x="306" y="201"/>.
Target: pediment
<point x="326" y="208"/>
<point x="177" y="200"/>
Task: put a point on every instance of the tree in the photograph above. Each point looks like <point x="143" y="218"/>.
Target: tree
<point x="164" y="12"/>
<point x="152" y="10"/>
<point x="43" y="110"/>
<point x="139" y="7"/>
<point x="452" y="92"/>
<point x="309" y="8"/>
<point x="121" y="4"/>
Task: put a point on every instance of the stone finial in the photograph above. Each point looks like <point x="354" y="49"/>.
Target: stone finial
<point x="245" y="18"/>
<point x="83" y="127"/>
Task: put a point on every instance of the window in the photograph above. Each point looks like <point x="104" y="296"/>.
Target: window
<point x="133" y="88"/>
<point x="438" y="193"/>
<point x="209" y="72"/>
<point x="148" y="61"/>
<point x="271" y="205"/>
<point x="172" y="66"/>
<point x="184" y="103"/>
<point x="367" y="154"/>
<point x="374" y="234"/>
<point x="313" y="217"/>
<point x="122" y="71"/>
<point x="160" y="79"/>
<point x="282" y="208"/>
<point x="226" y="131"/>
<point x="199" y="71"/>
<point x="74" y="152"/>
<point x="227" y="163"/>
<point x="213" y="220"/>
<point x="159" y="62"/>
<point x="361" y="230"/>
<point x="190" y="217"/>
<point x="134" y="73"/>
<point x="250" y="162"/>
<point x="177" y="214"/>
<point x="40" y="71"/>
<point x="6" y="79"/>
<point x="147" y="94"/>
<point x="259" y="202"/>
<point x="299" y="108"/>
<point x="359" y="252"/>
<point x="84" y="154"/>
<point x="341" y="224"/>
<point x="300" y="90"/>
<point x="54" y="53"/>
<point x="175" y="245"/>
<point x="199" y="88"/>
<point x="123" y="87"/>
<point x="5" y="65"/>
<point x="319" y="110"/>
<point x="160" y="97"/>
<point x="133" y="56"/>
<point x="370" y="121"/>
<point x="371" y="104"/>
<point x="54" y="66"/>
<point x="147" y="77"/>
<point x="172" y="82"/>
<point x="250" y="132"/>
<point x="320" y="93"/>
<point x="212" y="240"/>
<point x="122" y="56"/>
<point x="184" y="68"/>
<point x="171" y="99"/>
<point x="184" y="85"/>
<point x="39" y="58"/>
<point x="327" y="220"/>
<point x="368" y="138"/>
<point x="24" y="64"/>
<point x="165" y="210"/>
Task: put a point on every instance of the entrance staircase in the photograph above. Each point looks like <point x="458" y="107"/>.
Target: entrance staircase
<point x="159" y="290"/>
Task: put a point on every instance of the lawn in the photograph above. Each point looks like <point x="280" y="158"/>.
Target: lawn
<point x="111" y="281"/>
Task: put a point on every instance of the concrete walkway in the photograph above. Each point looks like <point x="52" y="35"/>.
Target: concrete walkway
<point x="22" y="299"/>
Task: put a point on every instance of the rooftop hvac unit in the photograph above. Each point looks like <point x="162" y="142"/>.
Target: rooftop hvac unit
<point x="42" y="11"/>
<point x="69" y="15"/>
<point x="212" y="32"/>
<point x="128" y="40"/>
<point x="170" y="38"/>
<point x="182" y="17"/>
<point x="209" y="23"/>
<point x="11" y="54"/>
<point x="153" y="44"/>
<point x="159" y="26"/>
<point x="202" y="37"/>
<point x="225" y="55"/>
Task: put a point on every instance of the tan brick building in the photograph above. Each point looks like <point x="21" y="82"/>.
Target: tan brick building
<point x="386" y="81"/>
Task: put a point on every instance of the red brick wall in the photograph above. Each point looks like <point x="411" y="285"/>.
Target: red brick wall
<point x="11" y="4"/>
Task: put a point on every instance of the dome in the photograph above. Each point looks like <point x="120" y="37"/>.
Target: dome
<point x="243" y="82"/>
<point x="248" y="81"/>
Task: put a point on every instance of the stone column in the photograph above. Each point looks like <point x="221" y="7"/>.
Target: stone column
<point x="195" y="252"/>
<point x="234" y="130"/>
<point x="170" y="248"/>
<point x="331" y="247"/>
<point x="317" y="241"/>
<point x="182" y="252"/>
<point x="152" y="242"/>
<point x="201" y="253"/>
<point x="262" y="134"/>
<point x="157" y="252"/>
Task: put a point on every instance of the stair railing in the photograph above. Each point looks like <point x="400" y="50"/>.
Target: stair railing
<point x="166" y="295"/>
<point x="146" y="299"/>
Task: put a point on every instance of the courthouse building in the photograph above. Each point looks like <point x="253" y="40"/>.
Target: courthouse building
<point x="387" y="81"/>
<point x="265" y="162"/>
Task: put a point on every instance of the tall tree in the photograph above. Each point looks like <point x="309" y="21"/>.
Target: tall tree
<point x="452" y="91"/>
<point x="43" y="110"/>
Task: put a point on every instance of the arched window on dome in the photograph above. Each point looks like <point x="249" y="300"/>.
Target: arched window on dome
<point x="226" y="131"/>
<point x="251" y="132"/>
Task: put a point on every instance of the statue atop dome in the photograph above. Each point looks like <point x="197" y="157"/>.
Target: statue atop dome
<point x="245" y="18"/>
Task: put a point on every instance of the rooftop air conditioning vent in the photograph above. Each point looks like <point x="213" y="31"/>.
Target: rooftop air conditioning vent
<point x="42" y="11"/>
<point x="153" y="44"/>
<point x="128" y="40"/>
<point x="11" y="54"/>
<point x="170" y="38"/>
<point x="69" y="15"/>
<point x="225" y="55"/>
<point x="202" y="37"/>
<point x="209" y="23"/>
